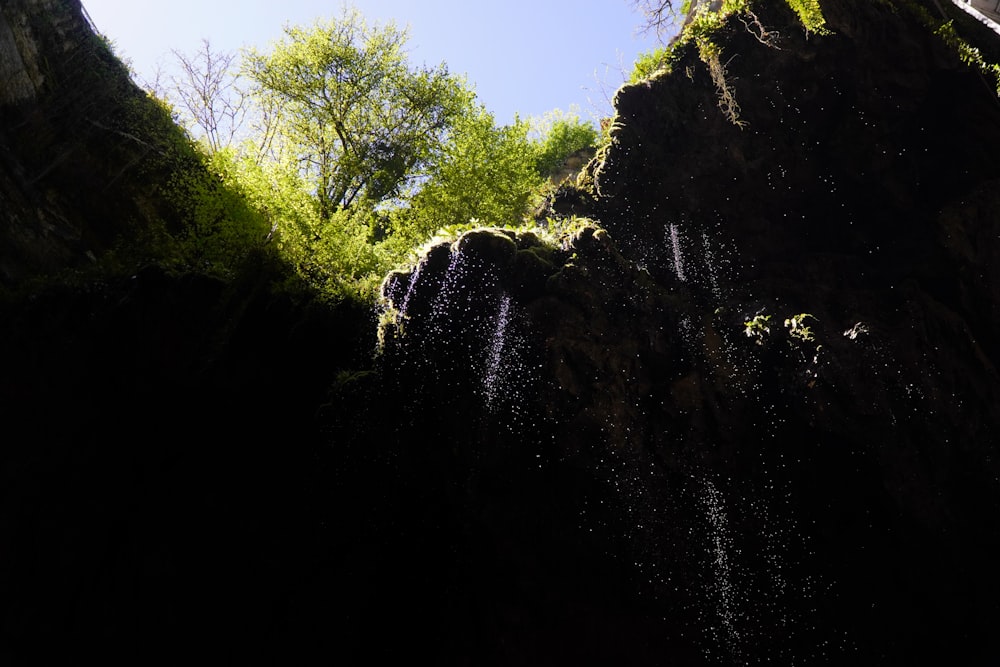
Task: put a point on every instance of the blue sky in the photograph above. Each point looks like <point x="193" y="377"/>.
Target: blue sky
<point x="522" y="56"/>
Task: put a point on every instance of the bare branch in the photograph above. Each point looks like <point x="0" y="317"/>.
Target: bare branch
<point x="659" y="16"/>
<point x="209" y="95"/>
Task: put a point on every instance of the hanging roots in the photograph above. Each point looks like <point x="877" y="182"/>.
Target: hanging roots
<point x="757" y="29"/>
<point x="710" y="55"/>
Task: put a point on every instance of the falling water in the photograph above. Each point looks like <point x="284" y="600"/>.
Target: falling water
<point x="711" y="267"/>
<point x="449" y="285"/>
<point x="495" y="352"/>
<point x="448" y="301"/>
<point x="414" y="277"/>
<point x="475" y="324"/>
<point x="482" y="329"/>
<point x="675" y="242"/>
<point x="723" y="586"/>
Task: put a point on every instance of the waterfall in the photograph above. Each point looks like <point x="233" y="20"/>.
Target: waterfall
<point x="492" y="377"/>
<point x="706" y="550"/>
<point x="675" y="243"/>
<point x="712" y="268"/>
<point x="450" y="285"/>
<point x="414" y="277"/>
<point x="723" y="587"/>
<point x="470" y="325"/>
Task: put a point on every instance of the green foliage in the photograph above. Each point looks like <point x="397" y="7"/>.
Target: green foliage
<point x="336" y="255"/>
<point x="649" y="63"/>
<point x="969" y="54"/>
<point x="341" y="259"/>
<point x="361" y="123"/>
<point x="180" y="208"/>
<point x="353" y="160"/>
<point x="701" y="29"/>
<point x="798" y="330"/>
<point x="219" y="226"/>
<point x="810" y="15"/>
<point x="558" y="135"/>
<point x="757" y="328"/>
<point x="373" y="156"/>
<point x="484" y="172"/>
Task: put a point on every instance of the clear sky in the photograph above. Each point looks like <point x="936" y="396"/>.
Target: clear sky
<point x="522" y="56"/>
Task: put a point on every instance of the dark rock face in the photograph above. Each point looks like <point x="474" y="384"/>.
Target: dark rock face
<point x="756" y="492"/>
<point x="161" y="487"/>
<point x="649" y="471"/>
<point x="749" y="418"/>
<point x="83" y="152"/>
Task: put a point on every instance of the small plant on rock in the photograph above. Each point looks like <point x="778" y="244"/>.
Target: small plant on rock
<point x="798" y="330"/>
<point x="757" y="328"/>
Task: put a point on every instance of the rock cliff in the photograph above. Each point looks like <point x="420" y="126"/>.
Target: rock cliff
<point x="771" y="381"/>
<point x="84" y="149"/>
<point x="744" y="412"/>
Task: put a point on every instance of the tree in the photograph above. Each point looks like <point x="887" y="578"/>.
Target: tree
<point x="207" y="95"/>
<point x="490" y="173"/>
<point x="485" y="173"/>
<point x="350" y="157"/>
<point x="659" y="16"/>
<point x="361" y="122"/>
<point x="557" y="135"/>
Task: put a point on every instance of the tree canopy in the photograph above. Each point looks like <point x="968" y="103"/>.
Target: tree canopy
<point x="360" y="121"/>
<point x="556" y="136"/>
<point x="486" y="173"/>
<point x="207" y="90"/>
<point x="351" y="156"/>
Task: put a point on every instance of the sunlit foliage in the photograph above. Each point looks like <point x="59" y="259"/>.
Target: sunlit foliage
<point x="485" y="173"/>
<point x="557" y="135"/>
<point x="360" y="120"/>
<point x="347" y="157"/>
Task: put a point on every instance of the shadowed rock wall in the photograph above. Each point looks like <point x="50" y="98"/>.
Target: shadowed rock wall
<point x="751" y="417"/>
<point x="771" y="492"/>
<point x="84" y="152"/>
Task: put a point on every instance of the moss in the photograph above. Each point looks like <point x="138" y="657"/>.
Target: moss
<point x="810" y="15"/>
<point x="391" y="324"/>
<point x="702" y="30"/>
<point x="494" y="245"/>
<point x="528" y="239"/>
<point x="540" y="255"/>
